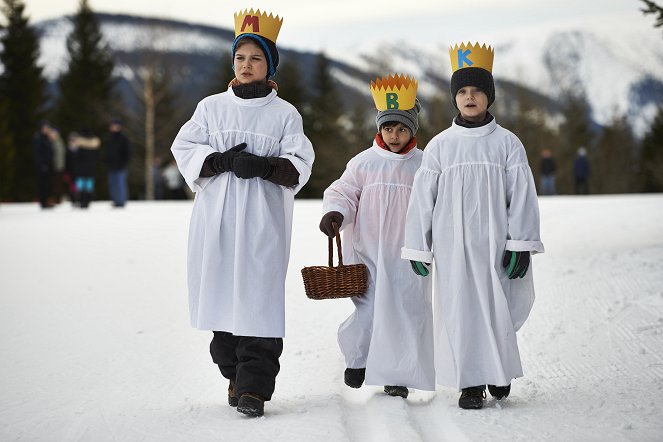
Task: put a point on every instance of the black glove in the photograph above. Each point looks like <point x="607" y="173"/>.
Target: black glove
<point x="327" y="220"/>
<point x="515" y="263"/>
<point x="420" y="268"/>
<point x="248" y="165"/>
<point x="224" y="161"/>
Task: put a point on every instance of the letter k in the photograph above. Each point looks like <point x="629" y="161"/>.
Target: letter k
<point x="462" y="58"/>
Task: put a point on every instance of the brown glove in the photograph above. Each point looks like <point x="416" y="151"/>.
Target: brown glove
<point x="327" y="220"/>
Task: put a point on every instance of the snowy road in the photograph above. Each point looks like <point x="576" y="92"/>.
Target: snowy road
<point x="95" y="343"/>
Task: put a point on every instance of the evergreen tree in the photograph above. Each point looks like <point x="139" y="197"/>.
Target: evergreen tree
<point x="528" y="123"/>
<point x="436" y="115"/>
<point x="653" y="8"/>
<point x="7" y="155"/>
<point x="325" y="131"/>
<point x="652" y="155"/>
<point x="223" y="74"/>
<point x="615" y="159"/>
<point x="288" y="78"/>
<point x="22" y="88"/>
<point x="575" y="132"/>
<point x="86" y="86"/>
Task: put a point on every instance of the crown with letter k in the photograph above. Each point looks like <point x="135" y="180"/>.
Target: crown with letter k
<point x="471" y="56"/>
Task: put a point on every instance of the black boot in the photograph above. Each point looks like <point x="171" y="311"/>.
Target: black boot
<point x="85" y="198"/>
<point x="471" y="398"/>
<point x="232" y="395"/>
<point x="396" y="390"/>
<point x="499" y="392"/>
<point x="251" y="404"/>
<point x="354" y="377"/>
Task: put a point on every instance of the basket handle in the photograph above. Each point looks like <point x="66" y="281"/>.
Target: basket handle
<point x="338" y="246"/>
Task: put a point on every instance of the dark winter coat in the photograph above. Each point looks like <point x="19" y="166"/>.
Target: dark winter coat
<point x="86" y="156"/>
<point x="117" y="151"/>
<point x="548" y="166"/>
<point x="581" y="168"/>
<point x="42" y="150"/>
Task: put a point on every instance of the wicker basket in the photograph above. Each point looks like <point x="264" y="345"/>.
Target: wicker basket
<point x="329" y="282"/>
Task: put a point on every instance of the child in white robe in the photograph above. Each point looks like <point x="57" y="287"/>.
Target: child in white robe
<point x="474" y="211"/>
<point x="387" y="340"/>
<point x="245" y="155"/>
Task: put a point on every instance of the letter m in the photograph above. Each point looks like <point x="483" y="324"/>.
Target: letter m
<point x="252" y="21"/>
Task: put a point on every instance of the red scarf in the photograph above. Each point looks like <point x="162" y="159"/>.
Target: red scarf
<point x="408" y="147"/>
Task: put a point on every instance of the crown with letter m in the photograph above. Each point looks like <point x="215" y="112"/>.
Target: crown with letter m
<point x="394" y="92"/>
<point x="258" y="23"/>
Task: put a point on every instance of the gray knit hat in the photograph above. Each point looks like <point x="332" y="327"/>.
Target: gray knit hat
<point x="409" y="117"/>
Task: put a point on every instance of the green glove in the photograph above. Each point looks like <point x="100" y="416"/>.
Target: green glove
<point x="420" y="268"/>
<point x="515" y="263"/>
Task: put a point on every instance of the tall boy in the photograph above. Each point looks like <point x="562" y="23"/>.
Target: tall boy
<point x="474" y="211"/>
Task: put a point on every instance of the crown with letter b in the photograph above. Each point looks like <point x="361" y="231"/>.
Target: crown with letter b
<point x="258" y="23"/>
<point x="394" y="92"/>
<point x="471" y="56"/>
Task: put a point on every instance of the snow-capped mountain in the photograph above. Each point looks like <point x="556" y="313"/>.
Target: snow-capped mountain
<point x="616" y="63"/>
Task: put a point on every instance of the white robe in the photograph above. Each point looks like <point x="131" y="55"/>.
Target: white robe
<point x="391" y="331"/>
<point x="239" y="236"/>
<point x="474" y="197"/>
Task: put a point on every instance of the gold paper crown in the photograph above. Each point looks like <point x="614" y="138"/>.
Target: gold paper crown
<point x="259" y="23"/>
<point x="394" y="92"/>
<point x="471" y="56"/>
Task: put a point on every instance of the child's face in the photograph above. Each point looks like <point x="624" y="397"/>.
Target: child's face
<point x="472" y="103"/>
<point x="250" y="63"/>
<point x="396" y="137"/>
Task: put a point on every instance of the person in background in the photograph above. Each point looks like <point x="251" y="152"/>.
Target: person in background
<point x="42" y="151"/>
<point x="118" y="155"/>
<point x="59" y="162"/>
<point x="87" y="145"/>
<point x="157" y="178"/>
<point x="173" y="182"/>
<point x="581" y="172"/>
<point x="548" y="168"/>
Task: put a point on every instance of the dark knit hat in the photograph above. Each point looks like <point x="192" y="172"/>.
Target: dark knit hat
<point x="477" y="77"/>
<point x="409" y="117"/>
<point x="268" y="48"/>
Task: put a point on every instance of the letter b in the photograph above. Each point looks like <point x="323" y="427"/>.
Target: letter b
<point x="392" y="101"/>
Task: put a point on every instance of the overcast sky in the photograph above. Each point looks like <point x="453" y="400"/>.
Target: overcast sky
<point x="316" y="25"/>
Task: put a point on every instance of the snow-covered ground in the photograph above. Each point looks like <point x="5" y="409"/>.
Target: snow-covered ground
<point x="95" y="343"/>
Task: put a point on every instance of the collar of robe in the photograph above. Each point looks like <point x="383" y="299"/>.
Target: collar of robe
<point x="486" y="127"/>
<point x="408" y="147"/>
<point x="472" y="125"/>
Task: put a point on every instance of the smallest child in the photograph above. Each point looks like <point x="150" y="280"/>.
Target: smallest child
<point x="388" y="339"/>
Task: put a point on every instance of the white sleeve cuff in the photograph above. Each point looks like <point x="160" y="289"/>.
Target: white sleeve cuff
<point x="525" y="246"/>
<point x="417" y="255"/>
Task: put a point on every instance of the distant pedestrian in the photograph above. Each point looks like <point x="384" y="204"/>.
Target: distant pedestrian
<point x="118" y="154"/>
<point x="173" y="182"/>
<point x="87" y="145"/>
<point x="581" y="172"/>
<point x="157" y="178"/>
<point x="548" y="169"/>
<point x="42" y="150"/>
<point x="59" y="162"/>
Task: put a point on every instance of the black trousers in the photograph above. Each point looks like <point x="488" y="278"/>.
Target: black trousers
<point x="44" y="186"/>
<point x="251" y="361"/>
